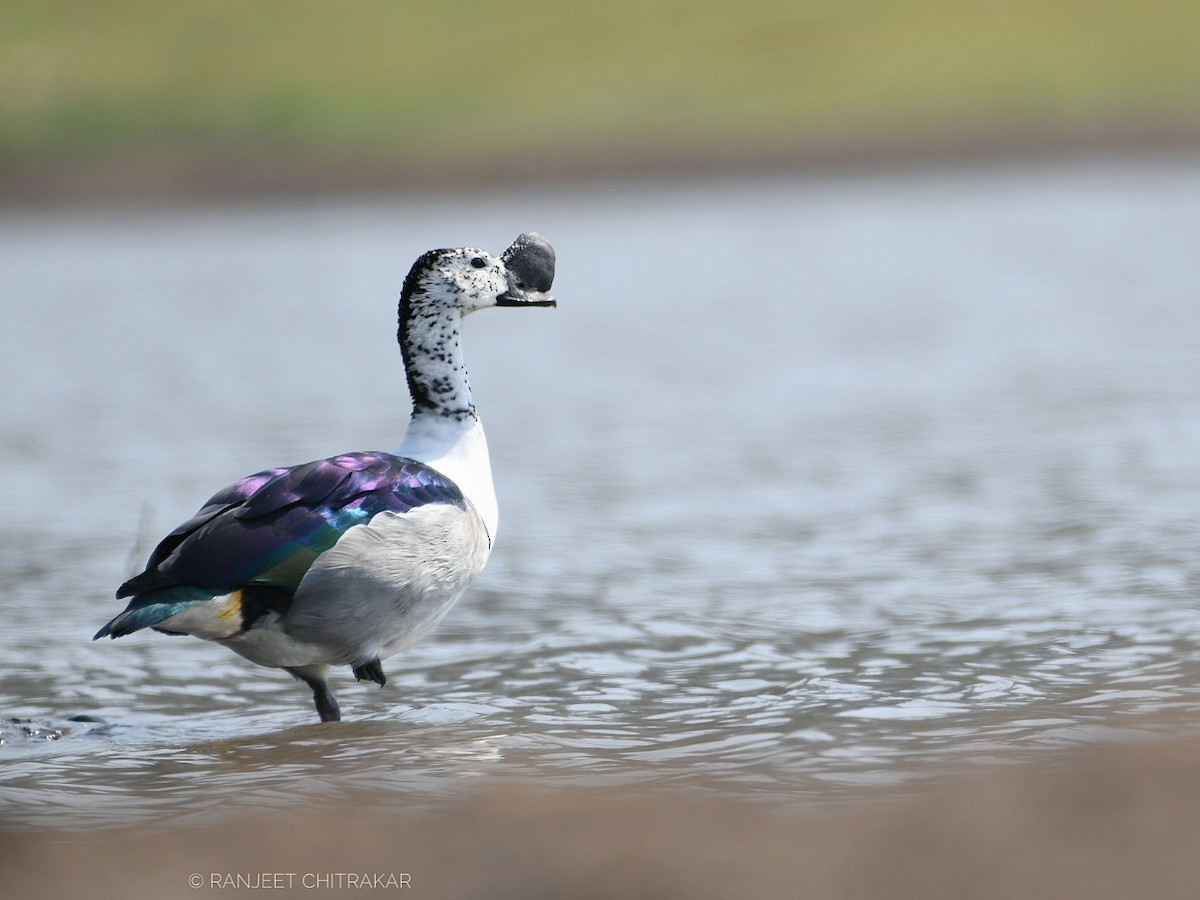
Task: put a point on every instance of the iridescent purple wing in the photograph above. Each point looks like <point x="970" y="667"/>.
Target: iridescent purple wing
<point x="268" y="528"/>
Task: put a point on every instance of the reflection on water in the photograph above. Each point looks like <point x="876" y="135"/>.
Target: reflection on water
<point x="807" y="485"/>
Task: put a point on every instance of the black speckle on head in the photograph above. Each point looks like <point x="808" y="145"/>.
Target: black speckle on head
<point x="531" y="259"/>
<point x="424" y="263"/>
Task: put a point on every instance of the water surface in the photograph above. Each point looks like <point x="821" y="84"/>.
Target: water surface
<point x="808" y="485"/>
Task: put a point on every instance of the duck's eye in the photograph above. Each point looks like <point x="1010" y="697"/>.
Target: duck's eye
<point x="478" y="262"/>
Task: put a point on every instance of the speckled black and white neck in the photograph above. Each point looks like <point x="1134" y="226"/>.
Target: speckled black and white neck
<point x="443" y="286"/>
<point x="430" y="340"/>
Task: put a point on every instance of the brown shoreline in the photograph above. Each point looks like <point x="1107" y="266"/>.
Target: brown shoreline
<point x="1107" y="823"/>
<point x="177" y="179"/>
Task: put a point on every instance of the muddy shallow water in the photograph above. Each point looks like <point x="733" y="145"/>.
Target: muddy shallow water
<point x="807" y="485"/>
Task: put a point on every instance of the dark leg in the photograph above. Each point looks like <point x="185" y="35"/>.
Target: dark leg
<point x="371" y="671"/>
<point x="326" y="703"/>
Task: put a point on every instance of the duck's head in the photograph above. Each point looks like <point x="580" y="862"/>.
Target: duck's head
<point x="468" y="279"/>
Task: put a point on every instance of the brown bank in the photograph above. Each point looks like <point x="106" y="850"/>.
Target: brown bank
<point x="1118" y="822"/>
<point x="167" y="179"/>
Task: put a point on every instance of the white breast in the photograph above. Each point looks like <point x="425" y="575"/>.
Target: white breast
<point x="459" y="450"/>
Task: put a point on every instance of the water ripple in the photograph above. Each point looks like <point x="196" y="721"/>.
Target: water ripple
<point x="867" y="524"/>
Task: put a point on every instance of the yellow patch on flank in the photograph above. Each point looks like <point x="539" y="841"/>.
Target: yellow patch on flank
<point x="232" y="605"/>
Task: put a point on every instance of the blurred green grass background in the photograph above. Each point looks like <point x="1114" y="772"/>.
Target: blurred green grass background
<point x="456" y="82"/>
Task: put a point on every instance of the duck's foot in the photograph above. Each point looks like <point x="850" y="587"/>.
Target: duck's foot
<point x="326" y="703"/>
<point x="371" y="671"/>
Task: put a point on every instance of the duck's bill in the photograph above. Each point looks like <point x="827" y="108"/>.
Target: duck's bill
<point x="518" y="297"/>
